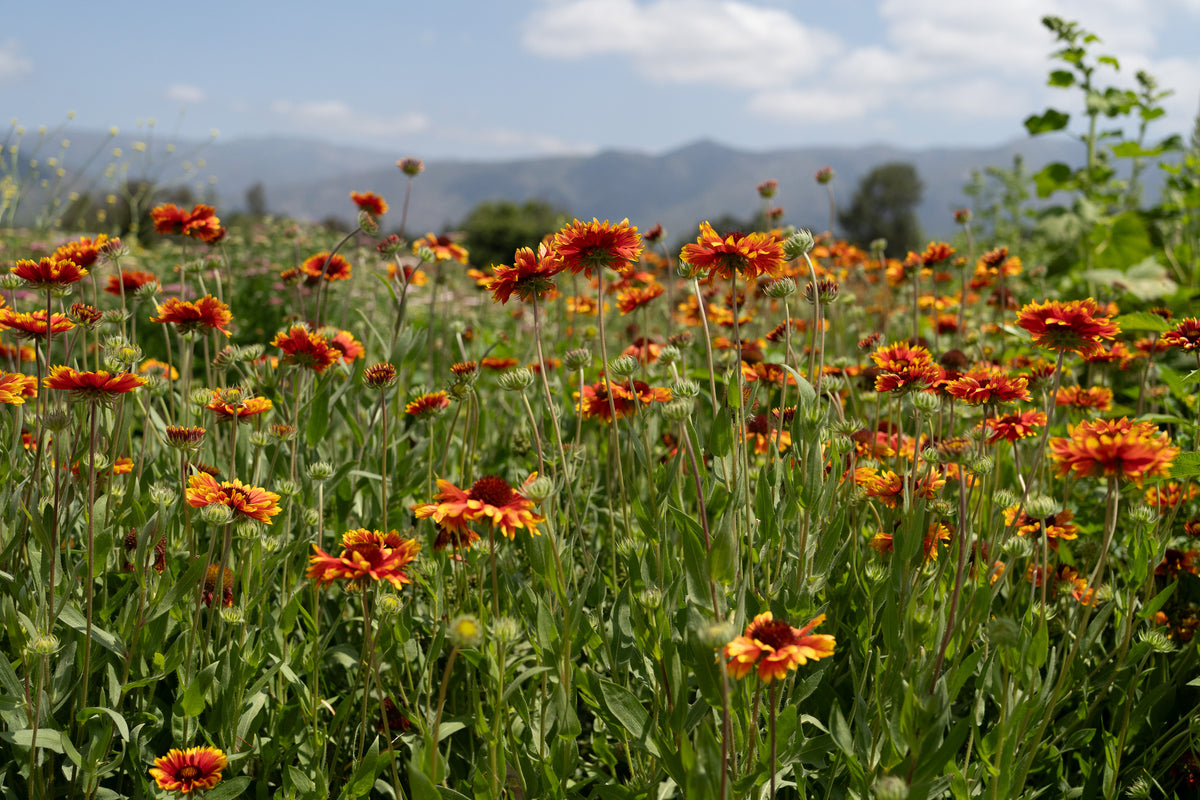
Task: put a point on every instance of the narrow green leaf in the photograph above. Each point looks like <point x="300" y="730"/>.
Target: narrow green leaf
<point x="364" y="775"/>
<point x="227" y="790"/>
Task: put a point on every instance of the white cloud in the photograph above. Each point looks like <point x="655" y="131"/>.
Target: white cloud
<point x="728" y="43"/>
<point x="13" y="65"/>
<point x="183" y="93"/>
<point x="957" y="62"/>
<point x="336" y="118"/>
<point x="526" y="142"/>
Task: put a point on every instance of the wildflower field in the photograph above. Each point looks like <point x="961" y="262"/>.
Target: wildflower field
<point x="290" y="513"/>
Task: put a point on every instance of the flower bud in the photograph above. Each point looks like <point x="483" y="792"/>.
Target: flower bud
<point x="411" y="167"/>
<point x="981" y="466"/>
<point x="798" y="244"/>
<point x="539" y="488"/>
<point x="824" y="175"/>
<point x="320" y="470"/>
<point x="669" y="355"/>
<point x="784" y="287"/>
<point x="516" y="380"/>
<point x="312" y="517"/>
<point x="232" y="615"/>
<point x="162" y="495"/>
<point x="1040" y="506"/>
<point x="622" y="367"/>
<point x="368" y="223"/>
<point x="1143" y="515"/>
<point x="43" y="644"/>
<point x="926" y="403"/>
<point x="216" y="514"/>
<point x="578" y="358"/>
<point x="506" y="629"/>
<point x="679" y="409"/>
<point x="1003" y="498"/>
<point x="685" y="388"/>
<point x="390" y="605"/>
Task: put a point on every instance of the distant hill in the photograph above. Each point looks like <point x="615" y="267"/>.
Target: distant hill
<point x="312" y="180"/>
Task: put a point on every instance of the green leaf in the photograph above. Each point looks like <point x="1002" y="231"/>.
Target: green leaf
<point x="73" y="619"/>
<point x="1052" y="178"/>
<point x="47" y="738"/>
<point x="227" y="790"/>
<point x="364" y="775"/>
<point x="1061" y="78"/>
<point x="1187" y="465"/>
<point x="1142" y="321"/>
<point x="1052" y="120"/>
<point x="318" y="417"/>
<point x="625" y="709"/>
<point x="419" y="784"/>
<point x="1157" y="601"/>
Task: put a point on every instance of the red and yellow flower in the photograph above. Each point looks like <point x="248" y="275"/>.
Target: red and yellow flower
<point x="33" y="324"/>
<point x="442" y="247"/>
<point x="366" y="556"/>
<point x="1014" y="426"/>
<point x="1114" y="448"/>
<point x="49" y="272"/>
<point x="490" y="497"/>
<point x="190" y="316"/>
<point x="752" y="255"/>
<point x="233" y="406"/>
<point x="1075" y="325"/>
<point x="904" y="368"/>
<point x="185" y="771"/>
<point x="200" y="223"/>
<point x="775" y="648"/>
<point x="530" y="276"/>
<point x="92" y="386"/>
<point x="246" y="502"/>
<point x="305" y="348"/>
<point x="15" y="388"/>
<point x="370" y="202"/>
<point x="988" y="384"/>
<point x="587" y="246"/>
<point x="323" y="265"/>
<point x="1184" y="336"/>
<point x="427" y="404"/>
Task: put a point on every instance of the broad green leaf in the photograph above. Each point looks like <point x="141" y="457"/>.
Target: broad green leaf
<point x="1052" y="120"/>
<point x="1052" y="178"/>
<point x="1061" y="78"/>
<point x="1187" y="465"/>
<point x="1142" y="321"/>
<point x="229" y="789"/>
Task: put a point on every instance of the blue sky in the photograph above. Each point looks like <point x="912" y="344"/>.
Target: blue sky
<point x="489" y="80"/>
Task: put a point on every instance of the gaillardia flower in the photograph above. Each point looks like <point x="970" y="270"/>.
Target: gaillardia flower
<point x="366" y="556"/>
<point x="185" y="771"/>
<point x="370" y="202"/>
<point x="752" y="254"/>
<point x="491" y="497"/>
<point x="1114" y="448"/>
<point x="305" y="348"/>
<point x="1075" y="325"/>
<point x="246" y="502"/>
<point x="904" y="368"/>
<point x="190" y="316"/>
<point x="200" y="223"/>
<point x="776" y="647"/>
<point x="443" y="248"/>
<point x="92" y="386"/>
<point x="586" y="246"/>
<point x="48" y="272"/>
<point x="530" y="276"/>
<point x="323" y="265"/>
<point x="15" y="387"/>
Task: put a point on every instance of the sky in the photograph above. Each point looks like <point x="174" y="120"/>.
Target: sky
<point x="503" y="79"/>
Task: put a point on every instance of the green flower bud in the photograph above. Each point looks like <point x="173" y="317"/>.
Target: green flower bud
<point x="622" y="367"/>
<point x="216" y="514"/>
<point x="320" y="470"/>
<point x="516" y="380"/>
<point x="784" y="287"/>
<point x="577" y="359"/>
<point x="798" y="244"/>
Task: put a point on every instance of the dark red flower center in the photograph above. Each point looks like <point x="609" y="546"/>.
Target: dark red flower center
<point x="773" y="633"/>
<point x="758" y="424"/>
<point x="188" y="772"/>
<point x="492" y="490"/>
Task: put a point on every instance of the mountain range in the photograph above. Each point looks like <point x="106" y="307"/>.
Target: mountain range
<point x="312" y="180"/>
